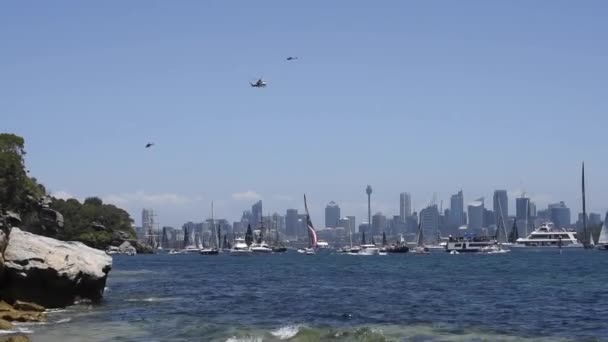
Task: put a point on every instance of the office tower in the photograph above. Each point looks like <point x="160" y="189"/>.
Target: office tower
<point x="302" y="232"/>
<point x="595" y="219"/>
<point x="475" y="215"/>
<point x="501" y="206"/>
<point x="256" y="214"/>
<point x="147" y="220"/>
<point x="378" y="224"/>
<point x="489" y="218"/>
<point x="456" y="218"/>
<point x="560" y="215"/>
<point x="522" y="208"/>
<point x="405" y="206"/>
<point x="429" y="223"/>
<point x="332" y="214"/>
<point x="351" y="221"/>
<point x="291" y="223"/>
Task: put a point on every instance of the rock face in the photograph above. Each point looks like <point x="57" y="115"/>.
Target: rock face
<point x="50" y="272"/>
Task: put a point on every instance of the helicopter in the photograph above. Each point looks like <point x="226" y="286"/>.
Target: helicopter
<point x="150" y="144"/>
<point x="291" y="58"/>
<point x="258" y="84"/>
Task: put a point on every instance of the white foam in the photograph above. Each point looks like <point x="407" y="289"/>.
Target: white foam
<point x="52" y="311"/>
<point x="244" y="339"/>
<point x="287" y="332"/>
<point x="17" y="330"/>
<point x="149" y="299"/>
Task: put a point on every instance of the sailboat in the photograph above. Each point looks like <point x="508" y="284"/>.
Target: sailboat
<point x="278" y="247"/>
<point x="602" y="242"/>
<point x="209" y="250"/>
<point x="420" y="248"/>
<point x="312" y="233"/>
<point x="586" y="243"/>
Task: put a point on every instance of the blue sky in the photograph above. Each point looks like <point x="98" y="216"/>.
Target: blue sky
<point x="421" y="96"/>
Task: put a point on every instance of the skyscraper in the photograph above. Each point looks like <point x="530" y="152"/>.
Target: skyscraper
<point x="256" y="214"/>
<point x="147" y="220"/>
<point x="457" y="210"/>
<point x="560" y="214"/>
<point x="332" y="214"/>
<point x="475" y="214"/>
<point x="291" y="223"/>
<point x="378" y="224"/>
<point x="522" y="208"/>
<point x="429" y="222"/>
<point x="351" y="221"/>
<point x="405" y="206"/>
<point x="501" y="206"/>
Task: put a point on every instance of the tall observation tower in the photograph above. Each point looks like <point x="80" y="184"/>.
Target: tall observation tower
<point x="368" y="191"/>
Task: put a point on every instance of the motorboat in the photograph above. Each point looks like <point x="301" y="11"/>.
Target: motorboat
<point x="209" y="251"/>
<point x="469" y="244"/>
<point x="240" y="247"/>
<point x="261" y="248"/>
<point x="546" y="237"/>
<point x="190" y="249"/>
<point x="369" y="249"/>
<point x="420" y="250"/>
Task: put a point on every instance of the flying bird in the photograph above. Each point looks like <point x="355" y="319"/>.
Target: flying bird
<point x="290" y="58"/>
<point x="148" y="145"/>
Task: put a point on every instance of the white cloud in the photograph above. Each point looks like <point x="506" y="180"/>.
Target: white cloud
<point x="140" y="197"/>
<point x="246" y="196"/>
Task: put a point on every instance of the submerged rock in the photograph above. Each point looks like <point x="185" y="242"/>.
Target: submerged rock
<point x="25" y="306"/>
<point x="16" y="338"/>
<point x="50" y="272"/>
<point x="11" y="314"/>
<point x="5" y="325"/>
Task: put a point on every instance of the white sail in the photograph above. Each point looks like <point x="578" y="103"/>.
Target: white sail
<point x="604" y="232"/>
<point x="591" y="242"/>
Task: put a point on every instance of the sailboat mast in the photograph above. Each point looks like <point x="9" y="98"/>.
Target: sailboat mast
<point x="585" y="242"/>
<point x="213" y="235"/>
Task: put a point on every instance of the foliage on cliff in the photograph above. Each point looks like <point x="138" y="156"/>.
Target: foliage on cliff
<point x="92" y="222"/>
<point x="18" y="191"/>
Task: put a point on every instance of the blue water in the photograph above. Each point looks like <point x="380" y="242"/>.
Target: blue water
<point x="437" y="297"/>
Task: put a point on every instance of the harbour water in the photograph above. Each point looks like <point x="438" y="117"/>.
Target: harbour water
<point x="519" y="296"/>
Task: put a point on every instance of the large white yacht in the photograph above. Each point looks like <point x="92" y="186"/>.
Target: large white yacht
<point x="547" y="236"/>
<point x="469" y="244"/>
<point x="240" y="247"/>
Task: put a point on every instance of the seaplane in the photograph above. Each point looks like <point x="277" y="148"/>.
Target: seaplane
<point x="258" y="84"/>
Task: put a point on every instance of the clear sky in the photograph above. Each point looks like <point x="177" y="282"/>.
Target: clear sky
<point x="419" y="96"/>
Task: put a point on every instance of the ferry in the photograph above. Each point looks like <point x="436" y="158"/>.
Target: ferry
<point x="547" y="236"/>
<point x="469" y="244"/>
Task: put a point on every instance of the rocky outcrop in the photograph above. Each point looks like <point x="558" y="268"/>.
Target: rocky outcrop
<point x="12" y="314"/>
<point x="50" y="272"/>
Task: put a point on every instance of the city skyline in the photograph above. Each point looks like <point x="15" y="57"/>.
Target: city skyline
<point x="291" y="215"/>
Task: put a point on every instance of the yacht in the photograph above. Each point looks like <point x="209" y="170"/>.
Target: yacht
<point x="190" y="249"/>
<point x="470" y="244"/>
<point x="602" y="242"/>
<point x="547" y="236"/>
<point x="369" y="249"/>
<point x="261" y="248"/>
<point x="240" y="247"/>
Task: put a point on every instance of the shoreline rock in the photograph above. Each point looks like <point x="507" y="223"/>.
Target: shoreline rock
<point x="50" y="272"/>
